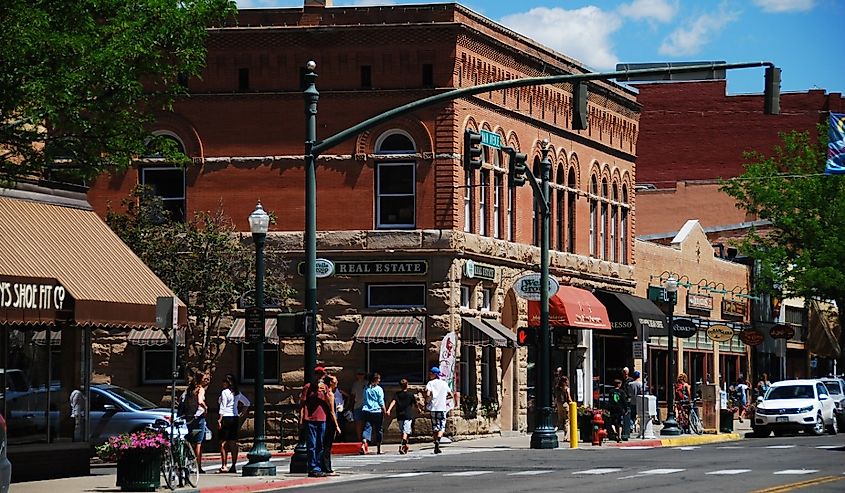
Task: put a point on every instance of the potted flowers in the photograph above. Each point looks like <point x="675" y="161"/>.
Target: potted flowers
<point x="138" y="457"/>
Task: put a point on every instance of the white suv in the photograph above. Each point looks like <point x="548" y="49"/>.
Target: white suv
<point x="793" y="405"/>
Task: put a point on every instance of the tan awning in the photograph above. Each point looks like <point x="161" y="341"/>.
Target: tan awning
<point x="40" y="338"/>
<point x="154" y="337"/>
<point x="391" y="329"/>
<point x="509" y="334"/>
<point x="474" y="332"/>
<point x="109" y="285"/>
<point x="238" y="330"/>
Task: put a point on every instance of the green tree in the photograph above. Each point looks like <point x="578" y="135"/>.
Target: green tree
<point x="80" y="79"/>
<point x="204" y="261"/>
<point x="802" y="253"/>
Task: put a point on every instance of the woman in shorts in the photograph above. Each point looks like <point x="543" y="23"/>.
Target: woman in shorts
<point x="233" y="405"/>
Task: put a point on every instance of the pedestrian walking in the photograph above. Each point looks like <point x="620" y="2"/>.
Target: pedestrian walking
<point x="332" y="425"/>
<point x="233" y="407"/>
<point x="562" y="400"/>
<point x="193" y="409"/>
<point x="404" y="401"/>
<point x="741" y="401"/>
<point x="437" y="397"/>
<point x="618" y="407"/>
<point x="627" y="422"/>
<point x="314" y="411"/>
<point x="635" y="390"/>
<point x="357" y="393"/>
<point x="763" y="385"/>
<point x="373" y="414"/>
<point x="78" y="408"/>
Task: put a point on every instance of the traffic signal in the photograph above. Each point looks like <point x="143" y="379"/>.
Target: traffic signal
<point x="294" y="324"/>
<point x="526" y="336"/>
<point x="771" y="95"/>
<point x="472" y="150"/>
<point x="517" y="169"/>
<point x="579" y="106"/>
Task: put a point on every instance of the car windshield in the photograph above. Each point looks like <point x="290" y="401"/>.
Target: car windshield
<point x="833" y="387"/>
<point x="791" y="392"/>
<point x="131" y="398"/>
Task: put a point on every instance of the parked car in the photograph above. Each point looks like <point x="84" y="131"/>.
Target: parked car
<point x="114" y="410"/>
<point x="5" y="465"/>
<point x="795" y="405"/>
<point x="836" y="387"/>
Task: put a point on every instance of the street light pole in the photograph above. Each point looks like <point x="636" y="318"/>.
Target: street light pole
<point x="670" y="426"/>
<point x="544" y="436"/>
<point x="299" y="460"/>
<point x="259" y="457"/>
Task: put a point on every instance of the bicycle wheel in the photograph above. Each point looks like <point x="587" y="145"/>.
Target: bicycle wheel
<point x="189" y="466"/>
<point x="168" y="469"/>
<point x="695" y="423"/>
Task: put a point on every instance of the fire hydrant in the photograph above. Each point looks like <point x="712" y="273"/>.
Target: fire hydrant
<point x="599" y="433"/>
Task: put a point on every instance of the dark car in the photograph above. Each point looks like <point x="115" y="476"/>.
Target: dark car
<point x="5" y="465"/>
<point x="114" y="410"/>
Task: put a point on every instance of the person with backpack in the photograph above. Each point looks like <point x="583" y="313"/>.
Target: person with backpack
<point x="193" y="409"/>
<point x="618" y="408"/>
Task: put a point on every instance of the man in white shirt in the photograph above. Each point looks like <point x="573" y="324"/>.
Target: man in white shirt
<point x="77" y="412"/>
<point x="437" y="394"/>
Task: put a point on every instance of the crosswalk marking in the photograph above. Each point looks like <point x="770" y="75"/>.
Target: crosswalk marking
<point x="727" y="472"/>
<point x="601" y="470"/>
<point x="796" y="471"/>
<point x="467" y="473"/>
<point x="407" y="474"/>
<point x="661" y="471"/>
<point x="829" y="446"/>
<point x="533" y="472"/>
<point x="731" y="446"/>
<point x="693" y="447"/>
<point x="780" y="446"/>
<point x="637" y="447"/>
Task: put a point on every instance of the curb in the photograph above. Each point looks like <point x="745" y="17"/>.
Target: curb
<point x="681" y="441"/>
<point x="265" y="486"/>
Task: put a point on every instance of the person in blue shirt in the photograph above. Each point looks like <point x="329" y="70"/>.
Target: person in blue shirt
<point x="373" y="414"/>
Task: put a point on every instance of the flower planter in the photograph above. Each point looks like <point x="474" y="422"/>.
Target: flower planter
<point x="139" y="470"/>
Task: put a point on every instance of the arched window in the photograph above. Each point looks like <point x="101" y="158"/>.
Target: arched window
<point x="535" y="239"/>
<point x="603" y="226"/>
<point x="560" y="212"/>
<point x="614" y="218"/>
<point x="498" y="194"/>
<point x="623" y="226"/>
<point x="594" y="215"/>
<point x="483" y="189"/>
<point x="570" y="209"/>
<point x="167" y="181"/>
<point x="396" y="181"/>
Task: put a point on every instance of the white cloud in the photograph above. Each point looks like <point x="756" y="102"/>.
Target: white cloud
<point x="656" y="10"/>
<point x="582" y="33"/>
<point x="689" y="39"/>
<point x="778" y="6"/>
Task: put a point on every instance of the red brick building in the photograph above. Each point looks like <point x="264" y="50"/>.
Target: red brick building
<point x="398" y="194"/>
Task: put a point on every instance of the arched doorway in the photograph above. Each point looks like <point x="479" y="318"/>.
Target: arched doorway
<point x="509" y="409"/>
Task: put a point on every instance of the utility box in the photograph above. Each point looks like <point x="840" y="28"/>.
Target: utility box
<point x="646" y="408"/>
<point x="711" y="403"/>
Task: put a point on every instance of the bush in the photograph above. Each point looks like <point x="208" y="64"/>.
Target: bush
<point x="139" y="440"/>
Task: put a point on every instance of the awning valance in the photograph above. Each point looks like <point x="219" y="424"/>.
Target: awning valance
<point x="474" y="332"/>
<point x="154" y="337"/>
<point x="391" y="329"/>
<point x="238" y="330"/>
<point x="509" y="334"/>
<point x="632" y="315"/>
<point x="571" y="307"/>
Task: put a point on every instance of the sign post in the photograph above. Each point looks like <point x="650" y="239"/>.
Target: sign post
<point x="254" y="324"/>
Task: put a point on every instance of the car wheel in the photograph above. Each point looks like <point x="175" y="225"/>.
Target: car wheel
<point x="760" y="432"/>
<point x="818" y="428"/>
<point x="834" y="426"/>
<point x="840" y="419"/>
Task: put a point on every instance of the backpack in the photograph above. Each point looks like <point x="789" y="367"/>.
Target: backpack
<point x="188" y="404"/>
<point x="618" y="399"/>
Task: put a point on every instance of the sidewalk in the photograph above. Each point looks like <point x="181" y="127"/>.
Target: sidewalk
<point x="102" y="478"/>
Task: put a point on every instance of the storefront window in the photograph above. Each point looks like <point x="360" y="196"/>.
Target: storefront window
<point x="248" y="364"/>
<point x="157" y="365"/>
<point x="397" y="361"/>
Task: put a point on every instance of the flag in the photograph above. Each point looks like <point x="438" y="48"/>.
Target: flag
<point x="836" y="145"/>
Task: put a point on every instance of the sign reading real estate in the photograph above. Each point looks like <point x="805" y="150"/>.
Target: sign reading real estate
<point x="374" y="267"/>
<point x="476" y="270"/>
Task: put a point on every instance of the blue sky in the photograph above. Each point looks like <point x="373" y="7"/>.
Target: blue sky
<point x="803" y="37"/>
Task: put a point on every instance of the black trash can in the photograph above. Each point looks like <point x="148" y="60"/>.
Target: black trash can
<point x="726" y="421"/>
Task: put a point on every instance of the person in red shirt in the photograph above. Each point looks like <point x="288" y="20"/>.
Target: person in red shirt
<point x="313" y="415"/>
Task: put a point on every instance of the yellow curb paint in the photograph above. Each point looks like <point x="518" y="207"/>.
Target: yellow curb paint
<point x="783" y="488"/>
<point x="699" y="440"/>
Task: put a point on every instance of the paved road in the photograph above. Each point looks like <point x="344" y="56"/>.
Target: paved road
<point x="770" y="465"/>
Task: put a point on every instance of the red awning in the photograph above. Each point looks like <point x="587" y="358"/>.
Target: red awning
<point x="571" y="307"/>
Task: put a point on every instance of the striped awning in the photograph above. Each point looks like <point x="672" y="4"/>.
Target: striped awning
<point x="238" y="330"/>
<point x="154" y="337"/>
<point x="499" y="327"/>
<point x="391" y="329"/>
<point x="40" y="338"/>
<point x="474" y="332"/>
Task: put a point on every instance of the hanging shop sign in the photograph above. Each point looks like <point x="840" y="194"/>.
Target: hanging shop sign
<point x="527" y="287"/>
<point x="782" y="331"/>
<point x="324" y="267"/>
<point x="734" y="308"/>
<point x="720" y="333"/>
<point x="476" y="270"/>
<point x="683" y="328"/>
<point x="371" y="267"/>
<point x="697" y="301"/>
<point x="751" y="337"/>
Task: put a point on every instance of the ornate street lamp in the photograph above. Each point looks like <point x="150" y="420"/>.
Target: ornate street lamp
<point x="259" y="457"/>
<point x="670" y="426"/>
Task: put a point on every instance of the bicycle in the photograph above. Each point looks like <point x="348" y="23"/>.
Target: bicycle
<point x="178" y="462"/>
<point x="688" y="418"/>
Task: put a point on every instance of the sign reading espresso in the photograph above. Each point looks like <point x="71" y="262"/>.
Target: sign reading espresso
<point x="375" y="267"/>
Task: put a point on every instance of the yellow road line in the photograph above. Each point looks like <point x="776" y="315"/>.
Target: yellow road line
<point x="783" y="488"/>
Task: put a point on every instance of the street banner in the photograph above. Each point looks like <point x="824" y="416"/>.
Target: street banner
<point x="447" y="363"/>
<point x="836" y="145"/>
